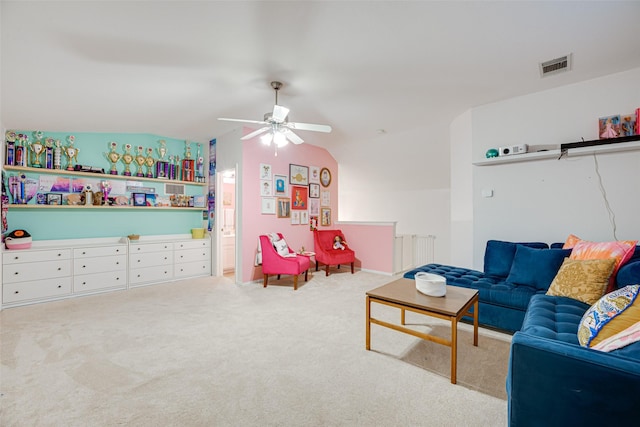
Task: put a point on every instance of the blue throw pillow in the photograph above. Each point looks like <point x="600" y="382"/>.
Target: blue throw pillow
<point x="536" y="267"/>
<point x="498" y="256"/>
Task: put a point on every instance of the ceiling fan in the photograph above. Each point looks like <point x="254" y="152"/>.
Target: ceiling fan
<point x="279" y="128"/>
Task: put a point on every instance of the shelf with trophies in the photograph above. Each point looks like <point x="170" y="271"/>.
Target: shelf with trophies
<point x="43" y="172"/>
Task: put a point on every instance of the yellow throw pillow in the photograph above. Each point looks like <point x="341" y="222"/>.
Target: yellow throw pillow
<point x="583" y="280"/>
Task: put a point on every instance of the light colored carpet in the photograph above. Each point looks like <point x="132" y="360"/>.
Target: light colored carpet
<point x="207" y="352"/>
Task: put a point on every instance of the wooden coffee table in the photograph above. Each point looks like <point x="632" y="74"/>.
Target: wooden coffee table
<point x="403" y="294"/>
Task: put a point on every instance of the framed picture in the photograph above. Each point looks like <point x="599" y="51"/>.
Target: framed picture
<point x="325" y="217"/>
<point x="313" y="222"/>
<point x="325" y="177"/>
<point x="304" y="217"/>
<point x="299" y="198"/>
<point x="266" y="187"/>
<point x="314" y="191"/>
<point x="325" y="198"/>
<point x="150" y="200"/>
<point x="268" y="206"/>
<point x="284" y="207"/>
<point x="295" y="217"/>
<point x="609" y="127"/>
<point x="265" y="171"/>
<point x="54" y="198"/>
<point x="314" y="207"/>
<point x="314" y="174"/>
<point x="139" y="199"/>
<point x="298" y="175"/>
<point x="280" y="184"/>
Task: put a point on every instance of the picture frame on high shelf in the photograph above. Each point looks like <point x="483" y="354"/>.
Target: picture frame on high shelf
<point x="314" y="191"/>
<point x="325" y="217"/>
<point x="298" y="175"/>
<point x="299" y="197"/>
<point x="284" y="207"/>
<point x="139" y="199"/>
<point x="280" y="184"/>
<point x="325" y="177"/>
<point x="268" y="206"/>
<point x="54" y="198"/>
<point x="314" y="174"/>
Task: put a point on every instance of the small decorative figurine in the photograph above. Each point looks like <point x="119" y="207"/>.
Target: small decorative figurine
<point x="338" y="243"/>
<point x="491" y="152"/>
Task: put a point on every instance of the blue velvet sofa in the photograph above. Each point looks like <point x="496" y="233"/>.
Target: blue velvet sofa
<point x="552" y="380"/>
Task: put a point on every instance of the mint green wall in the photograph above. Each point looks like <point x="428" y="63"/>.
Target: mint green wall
<point x="74" y="223"/>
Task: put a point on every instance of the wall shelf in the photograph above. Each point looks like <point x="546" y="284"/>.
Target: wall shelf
<point x="628" y="143"/>
<point x="102" y="176"/>
<point x="104" y="207"/>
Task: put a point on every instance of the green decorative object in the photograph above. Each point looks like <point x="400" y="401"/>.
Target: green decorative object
<point x="491" y="152"/>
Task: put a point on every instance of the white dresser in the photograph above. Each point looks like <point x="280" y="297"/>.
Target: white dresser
<point x="60" y="269"/>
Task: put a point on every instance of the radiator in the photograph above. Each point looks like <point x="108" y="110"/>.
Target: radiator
<point x="423" y="249"/>
<point x="413" y="251"/>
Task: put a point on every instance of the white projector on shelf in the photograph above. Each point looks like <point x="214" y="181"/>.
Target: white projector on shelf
<point x="513" y="149"/>
<point x="431" y="284"/>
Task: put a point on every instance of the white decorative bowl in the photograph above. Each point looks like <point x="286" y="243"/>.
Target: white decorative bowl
<point x="431" y="284"/>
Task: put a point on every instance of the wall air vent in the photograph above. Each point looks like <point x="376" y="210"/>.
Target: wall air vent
<point x="555" y="66"/>
<point x="173" y="188"/>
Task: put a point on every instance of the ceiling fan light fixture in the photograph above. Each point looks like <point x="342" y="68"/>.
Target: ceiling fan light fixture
<point x="280" y="139"/>
<point x="266" y="138"/>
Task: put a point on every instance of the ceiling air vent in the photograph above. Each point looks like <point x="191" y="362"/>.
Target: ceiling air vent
<point x="173" y="188"/>
<point x="555" y="66"/>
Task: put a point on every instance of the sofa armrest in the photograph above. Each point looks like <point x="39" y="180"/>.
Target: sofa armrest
<point x="553" y="383"/>
<point x="629" y="274"/>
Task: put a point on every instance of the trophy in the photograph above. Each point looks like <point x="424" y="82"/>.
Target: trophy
<point x="187" y="164"/>
<point x="48" y="153"/>
<point x="199" y="166"/>
<point x="127" y="158"/>
<point x="113" y="157"/>
<point x="21" y="150"/>
<point x="37" y="148"/>
<point x="71" y="152"/>
<point x="149" y="161"/>
<point x="57" y="155"/>
<point x="140" y="161"/>
<point x="162" y="166"/>
<point x="105" y="189"/>
<point x="10" y="157"/>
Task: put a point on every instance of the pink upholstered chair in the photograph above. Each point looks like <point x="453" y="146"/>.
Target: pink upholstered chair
<point x="273" y="263"/>
<point x="323" y="244"/>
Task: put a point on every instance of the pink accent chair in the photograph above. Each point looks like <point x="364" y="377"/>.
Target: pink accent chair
<point x="274" y="264"/>
<point x="323" y="246"/>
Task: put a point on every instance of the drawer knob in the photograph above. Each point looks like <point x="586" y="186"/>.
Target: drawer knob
<point x="16" y="273"/>
<point x="59" y="268"/>
<point x="117" y="278"/>
<point x="17" y="257"/>
<point x="84" y="266"/>
<point x="138" y="260"/>
<point x="59" y="286"/>
<point x="84" y="283"/>
<point x="117" y="262"/>
<point x="59" y="254"/>
<point x="117" y="250"/>
<point x="84" y="253"/>
<point x="16" y="292"/>
<point x="138" y="275"/>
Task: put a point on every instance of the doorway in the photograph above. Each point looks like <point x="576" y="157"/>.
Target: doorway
<point x="227" y="223"/>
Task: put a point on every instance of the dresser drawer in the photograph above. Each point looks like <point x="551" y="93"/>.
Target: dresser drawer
<point x="98" y="251"/>
<point x="36" y="289"/>
<point x="35" y="271"/>
<point x="150" y="259"/>
<point x="192" y="244"/>
<point x="189" y="269"/>
<point x="189" y="255"/>
<point x="151" y="247"/>
<point x="16" y="257"/>
<point x="151" y="274"/>
<point x="98" y="265"/>
<point x="96" y="281"/>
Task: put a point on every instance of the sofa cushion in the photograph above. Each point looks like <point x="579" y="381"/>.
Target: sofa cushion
<point x="555" y="318"/>
<point x="583" y="280"/>
<point x="498" y="256"/>
<point x="621" y="250"/>
<point x="536" y="267"/>
<point x="610" y="315"/>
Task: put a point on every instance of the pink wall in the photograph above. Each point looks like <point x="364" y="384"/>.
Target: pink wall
<point x="373" y="244"/>
<point x="253" y="222"/>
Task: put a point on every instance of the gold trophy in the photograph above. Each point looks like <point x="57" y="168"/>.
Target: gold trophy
<point x="113" y="157"/>
<point x="71" y="152"/>
<point x="149" y="161"/>
<point x="127" y="158"/>
<point x="37" y="148"/>
<point x="140" y="161"/>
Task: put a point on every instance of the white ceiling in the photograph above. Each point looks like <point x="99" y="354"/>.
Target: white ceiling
<point x="171" y="68"/>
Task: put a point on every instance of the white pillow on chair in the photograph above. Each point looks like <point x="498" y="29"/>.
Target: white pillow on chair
<point x="281" y="247"/>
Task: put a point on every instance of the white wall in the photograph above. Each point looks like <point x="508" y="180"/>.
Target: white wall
<point x="546" y="200"/>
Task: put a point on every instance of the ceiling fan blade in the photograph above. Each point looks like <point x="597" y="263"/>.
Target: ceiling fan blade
<point x="260" y="122"/>
<point x="309" y="126"/>
<point x="255" y="133"/>
<point x="280" y="113"/>
<point x="293" y="137"/>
